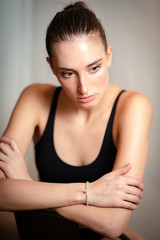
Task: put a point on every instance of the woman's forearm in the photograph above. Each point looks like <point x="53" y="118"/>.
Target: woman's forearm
<point x="109" y="222"/>
<point x="27" y="195"/>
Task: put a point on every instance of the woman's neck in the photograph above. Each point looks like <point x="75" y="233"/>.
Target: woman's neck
<point x="83" y="112"/>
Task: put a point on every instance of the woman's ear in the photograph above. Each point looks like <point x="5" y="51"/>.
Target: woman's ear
<point x="50" y="64"/>
<point x="109" y="55"/>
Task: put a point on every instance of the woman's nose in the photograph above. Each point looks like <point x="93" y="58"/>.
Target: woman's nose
<point x="82" y="85"/>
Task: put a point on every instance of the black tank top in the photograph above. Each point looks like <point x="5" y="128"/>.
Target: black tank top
<point x="52" y="169"/>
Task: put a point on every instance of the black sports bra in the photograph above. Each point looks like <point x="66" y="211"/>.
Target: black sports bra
<point x="52" y="169"/>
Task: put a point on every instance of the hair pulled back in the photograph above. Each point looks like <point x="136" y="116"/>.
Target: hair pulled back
<point x="74" y="20"/>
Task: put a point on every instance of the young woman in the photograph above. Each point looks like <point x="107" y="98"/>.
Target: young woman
<point x="91" y="138"/>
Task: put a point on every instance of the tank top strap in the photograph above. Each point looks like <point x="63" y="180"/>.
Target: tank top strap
<point x="111" y="119"/>
<point x="50" y="122"/>
<point x="54" y="102"/>
<point x="48" y="131"/>
<point x="54" y="106"/>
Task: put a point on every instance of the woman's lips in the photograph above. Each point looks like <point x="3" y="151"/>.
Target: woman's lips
<point x="86" y="99"/>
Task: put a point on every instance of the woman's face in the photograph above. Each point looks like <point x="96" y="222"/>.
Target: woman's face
<point x="81" y="66"/>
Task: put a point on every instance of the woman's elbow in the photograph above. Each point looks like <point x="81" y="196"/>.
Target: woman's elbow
<point x="116" y="227"/>
<point x="113" y="232"/>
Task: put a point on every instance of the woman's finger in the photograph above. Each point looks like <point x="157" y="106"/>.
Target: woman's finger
<point x="123" y="170"/>
<point x="11" y="142"/>
<point x="5" y="148"/>
<point x="131" y="198"/>
<point x="3" y="166"/>
<point x="131" y="181"/>
<point x="128" y="205"/>
<point x="134" y="191"/>
<point x="3" y="157"/>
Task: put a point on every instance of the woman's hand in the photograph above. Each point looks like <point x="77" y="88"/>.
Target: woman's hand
<point x="11" y="160"/>
<point x="116" y="190"/>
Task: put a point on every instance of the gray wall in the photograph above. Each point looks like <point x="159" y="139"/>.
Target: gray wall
<point x="133" y="30"/>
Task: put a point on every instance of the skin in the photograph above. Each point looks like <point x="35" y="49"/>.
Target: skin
<point x="79" y="84"/>
<point x="85" y="123"/>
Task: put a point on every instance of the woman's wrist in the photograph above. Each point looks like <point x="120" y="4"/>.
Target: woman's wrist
<point x="86" y="193"/>
<point x="76" y="193"/>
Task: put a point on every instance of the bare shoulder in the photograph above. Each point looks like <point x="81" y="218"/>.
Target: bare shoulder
<point x="35" y="97"/>
<point x="133" y="97"/>
<point x="30" y="108"/>
<point x="134" y="105"/>
<point x="35" y="101"/>
<point x="38" y="92"/>
<point x="133" y="120"/>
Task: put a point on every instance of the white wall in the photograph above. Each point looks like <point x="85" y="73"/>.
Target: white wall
<point x="15" y="72"/>
<point x="133" y="29"/>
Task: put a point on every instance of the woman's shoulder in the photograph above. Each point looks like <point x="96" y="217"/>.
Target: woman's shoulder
<point x="38" y="90"/>
<point x="35" y="99"/>
<point x="133" y="114"/>
<point x="37" y="95"/>
<point x="130" y="99"/>
<point x="134" y="106"/>
<point x="135" y="100"/>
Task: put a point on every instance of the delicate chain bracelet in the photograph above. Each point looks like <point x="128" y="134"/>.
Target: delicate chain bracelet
<point x="86" y="192"/>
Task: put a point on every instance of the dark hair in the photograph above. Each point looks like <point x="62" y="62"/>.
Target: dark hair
<point x="75" y="19"/>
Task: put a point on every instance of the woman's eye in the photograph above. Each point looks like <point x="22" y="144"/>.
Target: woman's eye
<point x="67" y="74"/>
<point x="95" y="69"/>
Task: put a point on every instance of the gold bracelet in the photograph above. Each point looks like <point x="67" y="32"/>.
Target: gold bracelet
<point x="86" y="192"/>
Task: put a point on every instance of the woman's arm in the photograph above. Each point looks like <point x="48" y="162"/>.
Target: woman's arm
<point x="23" y="121"/>
<point x="17" y="194"/>
<point x="109" y="222"/>
<point x="28" y="194"/>
<point x="38" y="199"/>
<point x="44" y="195"/>
<point x="134" y="116"/>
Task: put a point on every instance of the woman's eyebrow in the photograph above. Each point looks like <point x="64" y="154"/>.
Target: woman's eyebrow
<point x="70" y="69"/>
<point x="91" y="64"/>
<point x="65" y="69"/>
